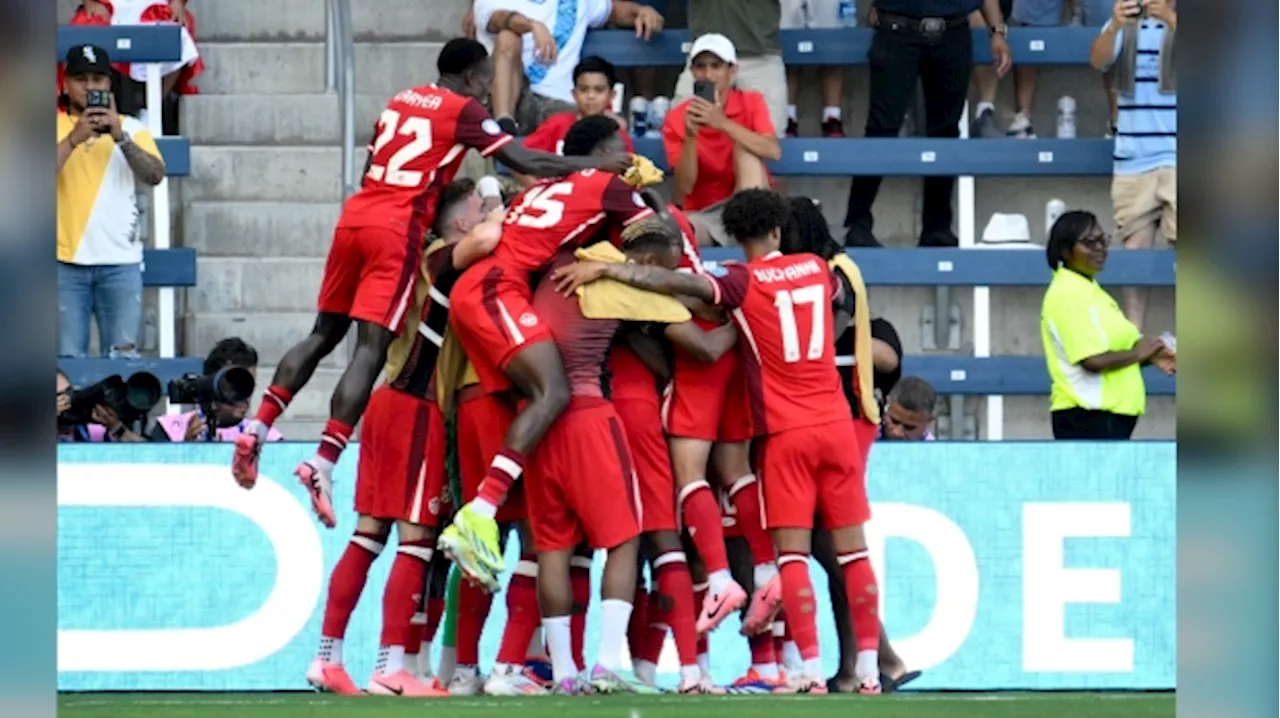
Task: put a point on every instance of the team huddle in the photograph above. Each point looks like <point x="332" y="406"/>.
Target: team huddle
<point x="596" y="387"/>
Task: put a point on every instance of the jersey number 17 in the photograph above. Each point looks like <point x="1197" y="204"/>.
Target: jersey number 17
<point x="786" y="301"/>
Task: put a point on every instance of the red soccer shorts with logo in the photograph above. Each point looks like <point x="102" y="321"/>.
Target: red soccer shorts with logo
<point x="491" y="313"/>
<point x="814" y="470"/>
<point x="400" y="474"/>
<point x="369" y="275"/>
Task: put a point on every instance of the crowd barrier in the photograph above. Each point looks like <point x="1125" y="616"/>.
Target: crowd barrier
<point x="1003" y="566"/>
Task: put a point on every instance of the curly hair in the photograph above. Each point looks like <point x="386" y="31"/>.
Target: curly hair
<point x="753" y="213"/>
<point x="651" y="235"/>
<point x="806" y="230"/>
<point x="588" y="134"/>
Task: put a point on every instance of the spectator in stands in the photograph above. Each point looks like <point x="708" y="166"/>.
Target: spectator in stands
<point x="816" y="15"/>
<point x="228" y="420"/>
<point x="1094" y="355"/>
<point x="929" y="42"/>
<point x="536" y="44"/>
<point x="719" y="147"/>
<point x="909" y="411"/>
<point x="101" y="155"/>
<point x="1138" y="44"/>
<point x="986" y="82"/>
<point x="106" y="424"/>
<point x="752" y="26"/>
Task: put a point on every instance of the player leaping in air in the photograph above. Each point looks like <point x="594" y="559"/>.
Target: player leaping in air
<point x="421" y="138"/>
<point x="783" y="309"/>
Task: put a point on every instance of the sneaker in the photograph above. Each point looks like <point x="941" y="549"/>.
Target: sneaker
<point x="793" y="128"/>
<point x="831" y="127"/>
<point x="572" y="686"/>
<point x="869" y="686"/>
<point x="508" y="125"/>
<point x="320" y="485"/>
<point x="332" y="678"/>
<point x="939" y="238"/>
<point x="404" y="684"/>
<point x="1021" y="128"/>
<point x="512" y="681"/>
<point x="471" y="542"/>
<point x="985" y="127"/>
<point x="764" y="607"/>
<point x="702" y="686"/>
<point x="857" y="236"/>
<point x="717" y="607"/>
<point x="604" y="680"/>
<point x="244" y="462"/>
<point x="466" y="683"/>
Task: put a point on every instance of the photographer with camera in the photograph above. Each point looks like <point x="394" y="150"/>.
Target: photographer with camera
<point x="221" y="395"/>
<point x="104" y="423"/>
<point x="101" y="156"/>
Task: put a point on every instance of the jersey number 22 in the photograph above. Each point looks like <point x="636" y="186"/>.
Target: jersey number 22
<point x="418" y="129"/>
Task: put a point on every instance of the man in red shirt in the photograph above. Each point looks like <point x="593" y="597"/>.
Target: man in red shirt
<point x="783" y="308"/>
<point x="369" y="276"/>
<point x="717" y="147"/>
<point x="509" y="345"/>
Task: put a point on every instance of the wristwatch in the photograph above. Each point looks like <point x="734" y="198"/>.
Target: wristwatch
<point x="1000" y="29"/>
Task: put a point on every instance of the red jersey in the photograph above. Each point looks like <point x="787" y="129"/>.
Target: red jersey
<point x="583" y="343"/>
<point x="549" y="137"/>
<point x="782" y="305"/>
<point x="417" y="149"/>
<point x="565" y="213"/>
<point x="716" y="179"/>
<point x="690" y="256"/>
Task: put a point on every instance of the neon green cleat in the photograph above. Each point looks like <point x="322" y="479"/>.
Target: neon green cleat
<point x="471" y="541"/>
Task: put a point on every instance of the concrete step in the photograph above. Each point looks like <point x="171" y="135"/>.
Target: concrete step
<point x="260" y="229"/>
<point x="285" y="20"/>
<point x="298" y="68"/>
<point x="274" y="119"/>
<point x="271" y="333"/>
<point x="254" y="285"/>
<point x="266" y="174"/>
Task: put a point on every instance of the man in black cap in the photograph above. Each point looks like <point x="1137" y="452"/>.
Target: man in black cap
<point x="101" y="156"/>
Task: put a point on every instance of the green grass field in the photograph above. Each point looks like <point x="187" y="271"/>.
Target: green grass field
<point x="906" y="705"/>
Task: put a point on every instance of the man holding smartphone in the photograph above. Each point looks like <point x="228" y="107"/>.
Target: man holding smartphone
<point x="101" y="155"/>
<point x="718" y="140"/>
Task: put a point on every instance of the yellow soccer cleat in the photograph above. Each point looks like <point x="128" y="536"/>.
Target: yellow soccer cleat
<point x="471" y="542"/>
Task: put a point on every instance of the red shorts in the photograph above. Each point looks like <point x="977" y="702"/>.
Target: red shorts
<point x="491" y="312"/>
<point x="400" y="475"/>
<point x="708" y="401"/>
<point x="369" y="275"/>
<point x="482" y="428"/>
<point x="867" y="433"/>
<point x="814" y="470"/>
<point x="581" y="484"/>
<point x="642" y="421"/>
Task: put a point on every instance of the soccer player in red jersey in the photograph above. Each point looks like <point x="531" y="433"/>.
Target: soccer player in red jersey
<point x="593" y="81"/>
<point x="782" y="306"/>
<point x="401" y="470"/>
<point x="509" y="345"/>
<point x="421" y="138"/>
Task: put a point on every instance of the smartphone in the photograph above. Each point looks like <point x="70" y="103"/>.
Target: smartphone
<point x="98" y="98"/>
<point x="706" y="89"/>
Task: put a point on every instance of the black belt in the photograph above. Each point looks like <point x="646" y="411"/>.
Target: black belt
<point x="922" y="25"/>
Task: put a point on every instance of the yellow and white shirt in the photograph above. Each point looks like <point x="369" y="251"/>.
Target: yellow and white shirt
<point x="97" y="198"/>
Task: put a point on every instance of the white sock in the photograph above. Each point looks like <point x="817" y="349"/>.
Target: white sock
<point x="560" y="646"/>
<point x="647" y="672"/>
<point x="984" y="107"/>
<point x="448" y="663"/>
<point x="813" y="668"/>
<point x="537" y="646"/>
<point x="867" y="665"/>
<point x="830" y="112"/>
<point x="791" y="112"/>
<point x="690" y="674"/>
<point x="466" y="671"/>
<point x="704" y="663"/>
<point x="390" y="660"/>
<point x="615" y="614"/>
<point x="718" y="581"/>
<point x="330" y="650"/>
<point x="322" y="464"/>
<point x="258" y="428"/>
<point x="484" y="508"/>
<point x="766" y="670"/>
<point x="791" y="655"/>
<point x="411" y="663"/>
<point x="424" y="658"/>
<point x="763" y="573"/>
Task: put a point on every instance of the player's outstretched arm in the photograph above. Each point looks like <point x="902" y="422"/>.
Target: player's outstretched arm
<point x="705" y="346"/>
<point x="643" y="276"/>
<point x="480" y="241"/>
<point x="545" y="164"/>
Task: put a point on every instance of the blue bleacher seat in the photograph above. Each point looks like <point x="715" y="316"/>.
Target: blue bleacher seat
<point x="176" y="152"/>
<point x="174" y="267"/>
<point x="1026" y="376"/>
<point x="125" y="43"/>
<point x="85" y="372"/>
<point x="1030" y="46"/>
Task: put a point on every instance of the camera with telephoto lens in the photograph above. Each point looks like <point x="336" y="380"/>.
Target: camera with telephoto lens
<point x="131" y="400"/>
<point x="229" y="385"/>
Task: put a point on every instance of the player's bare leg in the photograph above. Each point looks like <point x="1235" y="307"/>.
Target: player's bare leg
<point x="509" y="677"/>
<point x="675" y="588"/>
<point x="346" y="583"/>
<point x="405" y="586"/>
<point x="292" y="373"/>
<point x="701" y="514"/>
<point x="732" y="463"/>
<point x="617" y="587"/>
<point x="797" y="599"/>
<point x="863" y="594"/>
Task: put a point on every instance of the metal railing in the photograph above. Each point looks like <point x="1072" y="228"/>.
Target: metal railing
<point x="340" y="56"/>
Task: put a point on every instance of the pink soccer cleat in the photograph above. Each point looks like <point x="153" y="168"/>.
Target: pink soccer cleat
<point x="869" y="686"/>
<point x="700" y="686"/>
<point x="244" y="463"/>
<point x="332" y="678"/>
<point x="717" y="606"/>
<point x="320" y="485"/>
<point x="403" y="684"/>
<point x="765" y="604"/>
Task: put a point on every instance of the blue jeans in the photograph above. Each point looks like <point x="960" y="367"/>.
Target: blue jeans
<point x="110" y="293"/>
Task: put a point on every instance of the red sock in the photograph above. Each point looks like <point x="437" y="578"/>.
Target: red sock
<point x="580" y="577"/>
<point x="701" y="513"/>
<point x="274" y="401"/>
<point x="676" y="586"/>
<point x="655" y="634"/>
<point x="405" y="585"/>
<point x="523" y="614"/>
<point x="864" y="599"/>
<point x="435" y="612"/>
<point x="333" y="440"/>
<point x="346" y="583"/>
<point x="638" y="626"/>
<point x="745" y="495"/>
<point x="797" y="599"/>
<point x="473" y="610"/>
<point x="762" y="649"/>
<point x="504" y="470"/>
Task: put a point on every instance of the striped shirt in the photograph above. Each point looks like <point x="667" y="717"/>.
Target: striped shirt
<point x="1147" y="125"/>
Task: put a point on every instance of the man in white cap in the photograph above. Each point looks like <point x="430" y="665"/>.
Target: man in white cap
<point x="717" y="141"/>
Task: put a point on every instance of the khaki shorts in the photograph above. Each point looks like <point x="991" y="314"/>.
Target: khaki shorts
<point x="710" y="228"/>
<point x="533" y="109"/>
<point x="812" y="14"/>
<point x="1146" y="200"/>
<point x="766" y="75"/>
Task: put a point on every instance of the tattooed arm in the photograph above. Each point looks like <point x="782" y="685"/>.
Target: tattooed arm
<point x="643" y="276"/>
<point x="147" y="167"/>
